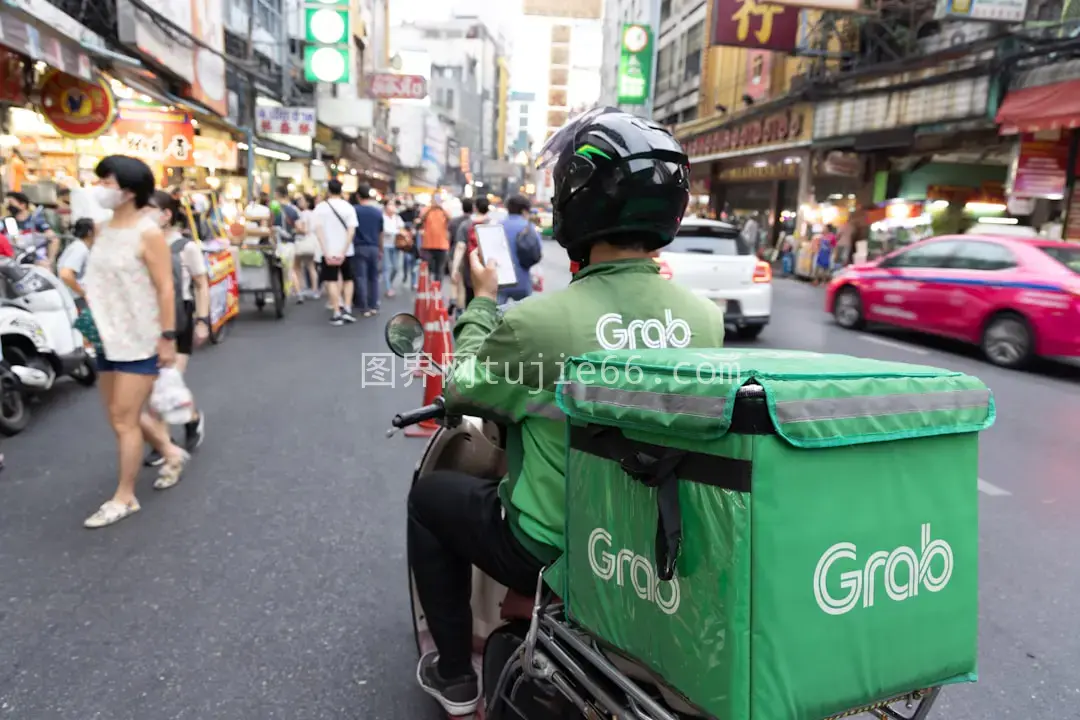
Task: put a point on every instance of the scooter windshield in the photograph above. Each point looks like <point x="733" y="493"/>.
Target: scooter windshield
<point x="18" y="280"/>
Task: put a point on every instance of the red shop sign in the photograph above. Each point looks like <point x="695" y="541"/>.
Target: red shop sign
<point x="389" y="86"/>
<point x="770" y="130"/>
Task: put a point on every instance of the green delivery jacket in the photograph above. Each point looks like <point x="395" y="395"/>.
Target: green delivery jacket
<point x="505" y="368"/>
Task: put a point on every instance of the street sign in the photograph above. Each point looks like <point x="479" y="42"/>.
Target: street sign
<point x="285" y="120"/>
<point x="635" y="67"/>
<point x="390" y="86"/>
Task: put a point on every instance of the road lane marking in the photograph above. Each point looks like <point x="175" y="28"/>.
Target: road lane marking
<point x="895" y="345"/>
<point x="991" y="489"/>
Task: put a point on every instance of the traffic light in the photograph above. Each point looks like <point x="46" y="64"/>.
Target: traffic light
<point x="327" y="56"/>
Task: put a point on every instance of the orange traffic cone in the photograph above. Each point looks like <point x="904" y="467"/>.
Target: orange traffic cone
<point x="421" y="309"/>
<point x="436" y="334"/>
<point x="421" y="292"/>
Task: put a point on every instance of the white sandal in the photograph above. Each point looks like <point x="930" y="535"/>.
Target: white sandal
<point x="171" y="472"/>
<point x="110" y="512"/>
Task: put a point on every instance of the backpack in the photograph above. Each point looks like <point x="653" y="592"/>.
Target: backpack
<point x="288" y="222"/>
<point x="178" y="282"/>
<point x="529" y="251"/>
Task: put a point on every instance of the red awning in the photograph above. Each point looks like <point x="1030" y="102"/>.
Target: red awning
<point x="1048" y="107"/>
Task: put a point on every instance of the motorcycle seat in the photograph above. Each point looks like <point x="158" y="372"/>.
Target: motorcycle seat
<point x="516" y="606"/>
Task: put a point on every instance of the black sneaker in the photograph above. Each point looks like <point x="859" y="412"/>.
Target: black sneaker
<point x="337" y="320"/>
<point x="347" y="316"/>
<point x="458" y="696"/>
<point x="194" y="432"/>
<point x="153" y="459"/>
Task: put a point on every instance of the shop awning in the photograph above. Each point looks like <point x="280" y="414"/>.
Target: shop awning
<point x="1035" y="109"/>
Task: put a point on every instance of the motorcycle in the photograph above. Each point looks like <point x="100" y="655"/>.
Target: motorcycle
<point x="533" y="662"/>
<point x="37" y="325"/>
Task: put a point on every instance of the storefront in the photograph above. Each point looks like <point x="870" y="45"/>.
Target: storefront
<point x="760" y="166"/>
<point x="37" y="64"/>
<point x="1042" y="182"/>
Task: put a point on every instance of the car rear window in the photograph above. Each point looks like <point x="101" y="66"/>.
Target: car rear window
<point x="708" y="241"/>
<point x="1067" y="256"/>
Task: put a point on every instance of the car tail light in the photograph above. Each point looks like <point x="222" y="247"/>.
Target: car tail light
<point x="763" y="272"/>
<point x="665" y="269"/>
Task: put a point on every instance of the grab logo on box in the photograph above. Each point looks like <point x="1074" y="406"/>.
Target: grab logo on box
<point x="861" y="581"/>
<point x="626" y="566"/>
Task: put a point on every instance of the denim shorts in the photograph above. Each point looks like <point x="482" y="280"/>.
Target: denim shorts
<point x="149" y="366"/>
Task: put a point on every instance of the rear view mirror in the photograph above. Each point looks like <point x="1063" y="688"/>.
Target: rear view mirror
<point x="404" y="335"/>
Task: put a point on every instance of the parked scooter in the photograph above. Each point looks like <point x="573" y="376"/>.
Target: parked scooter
<point x="37" y="317"/>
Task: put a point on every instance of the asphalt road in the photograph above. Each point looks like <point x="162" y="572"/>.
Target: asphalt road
<point x="270" y="583"/>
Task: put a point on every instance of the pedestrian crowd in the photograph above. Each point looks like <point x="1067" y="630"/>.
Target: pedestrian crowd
<point x="358" y="250"/>
<point x="139" y="283"/>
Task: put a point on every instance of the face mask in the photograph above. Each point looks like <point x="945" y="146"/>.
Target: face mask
<point x="108" y="198"/>
<point x="14" y="209"/>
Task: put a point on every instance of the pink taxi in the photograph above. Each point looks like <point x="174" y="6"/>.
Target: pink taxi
<point x="1016" y="298"/>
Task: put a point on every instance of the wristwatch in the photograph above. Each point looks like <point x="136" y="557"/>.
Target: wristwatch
<point x="168" y="335"/>
<point x="204" y="320"/>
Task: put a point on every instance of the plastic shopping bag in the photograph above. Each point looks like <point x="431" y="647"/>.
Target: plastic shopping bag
<point x="537" y="277"/>
<point x="171" y="399"/>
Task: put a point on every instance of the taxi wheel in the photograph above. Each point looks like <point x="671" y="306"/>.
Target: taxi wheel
<point x="847" y="309"/>
<point x="1007" y="341"/>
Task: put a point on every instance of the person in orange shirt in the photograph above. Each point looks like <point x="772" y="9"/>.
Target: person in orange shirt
<point x="16" y="171"/>
<point x="436" y="239"/>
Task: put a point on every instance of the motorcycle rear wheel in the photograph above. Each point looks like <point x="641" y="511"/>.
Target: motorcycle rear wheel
<point x="532" y="701"/>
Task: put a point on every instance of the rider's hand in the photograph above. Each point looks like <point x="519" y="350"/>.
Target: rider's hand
<point x="485" y="279"/>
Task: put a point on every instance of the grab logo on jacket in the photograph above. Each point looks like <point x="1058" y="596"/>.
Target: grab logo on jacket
<point x="614" y="334"/>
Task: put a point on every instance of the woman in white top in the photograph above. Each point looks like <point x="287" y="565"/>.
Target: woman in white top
<point x="129" y="288"/>
<point x="307" y="247"/>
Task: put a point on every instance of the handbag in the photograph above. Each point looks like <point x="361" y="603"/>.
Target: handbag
<point x="403" y="241"/>
<point x="308" y="245"/>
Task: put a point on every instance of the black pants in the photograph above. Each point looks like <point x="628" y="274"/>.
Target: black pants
<point x="456" y="521"/>
<point x="436" y="263"/>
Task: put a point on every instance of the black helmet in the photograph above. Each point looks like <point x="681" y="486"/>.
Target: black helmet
<point x="618" y="178"/>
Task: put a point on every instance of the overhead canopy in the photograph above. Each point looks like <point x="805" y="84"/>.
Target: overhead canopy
<point x="1047" y="107"/>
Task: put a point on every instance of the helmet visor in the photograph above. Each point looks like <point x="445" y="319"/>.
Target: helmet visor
<point x="565" y="136"/>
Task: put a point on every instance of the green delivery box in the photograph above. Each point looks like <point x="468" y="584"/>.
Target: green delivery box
<point x="779" y="535"/>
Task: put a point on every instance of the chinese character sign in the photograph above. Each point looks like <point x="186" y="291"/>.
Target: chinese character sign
<point x="755" y="24"/>
<point x="155" y="136"/>
<point x="285" y="121"/>
<point x="635" y="65"/>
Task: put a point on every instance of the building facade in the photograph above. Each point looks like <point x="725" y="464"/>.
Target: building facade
<point x="618" y="13"/>
<point x="468" y="85"/>
<point x="679" y="59"/>
<point x="559" y="53"/>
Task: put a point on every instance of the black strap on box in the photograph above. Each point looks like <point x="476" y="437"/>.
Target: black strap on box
<point x="661" y="467"/>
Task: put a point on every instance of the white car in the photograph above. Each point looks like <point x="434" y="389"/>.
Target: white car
<point x="1021" y="231"/>
<point x="711" y="259"/>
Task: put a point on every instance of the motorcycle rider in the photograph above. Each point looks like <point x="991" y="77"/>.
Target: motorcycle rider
<point x="621" y="186"/>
